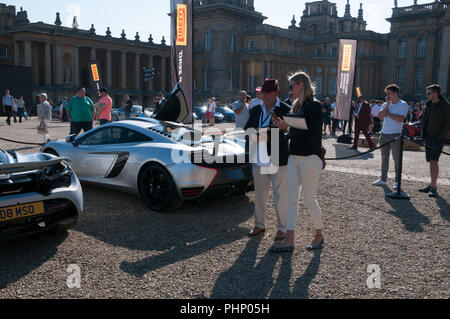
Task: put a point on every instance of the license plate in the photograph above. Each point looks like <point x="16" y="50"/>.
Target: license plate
<point x="21" y="211"/>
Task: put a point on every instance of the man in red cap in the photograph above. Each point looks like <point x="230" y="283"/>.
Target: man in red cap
<point x="362" y="122"/>
<point x="269" y="167"/>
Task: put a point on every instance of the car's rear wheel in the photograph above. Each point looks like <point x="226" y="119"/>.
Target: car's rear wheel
<point x="158" y="189"/>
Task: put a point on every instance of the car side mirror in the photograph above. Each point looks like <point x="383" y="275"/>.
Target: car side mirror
<point x="71" y="139"/>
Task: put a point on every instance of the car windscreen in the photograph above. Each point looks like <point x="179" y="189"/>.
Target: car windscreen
<point x="181" y="133"/>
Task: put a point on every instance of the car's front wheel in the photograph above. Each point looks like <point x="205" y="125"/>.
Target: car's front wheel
<point x="158" y="189"/>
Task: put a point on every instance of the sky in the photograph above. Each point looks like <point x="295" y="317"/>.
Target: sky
<point x="150" y="16"/>
<point x="143" y="16"/>
<point x="375" y="11"/>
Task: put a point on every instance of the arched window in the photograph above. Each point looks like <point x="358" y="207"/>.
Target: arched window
<point x="421" y="47"/>
<point x="207" y="39"/>
<point x="230" y="40"/>
<point x="402" y="48"/>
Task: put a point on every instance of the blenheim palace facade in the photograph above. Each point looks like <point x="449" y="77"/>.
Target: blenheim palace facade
<point x="235" y="50"/>
<point x="59" y="57"/>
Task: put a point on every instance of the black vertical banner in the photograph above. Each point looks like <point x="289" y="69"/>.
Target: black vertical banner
<point x="346" y="75"/>
<point x="182" y="49"/>
<point x="95" y="80"/>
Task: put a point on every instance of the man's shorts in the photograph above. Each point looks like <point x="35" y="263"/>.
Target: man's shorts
<point x="210" y="115"/>
<point x="434" y="148"/>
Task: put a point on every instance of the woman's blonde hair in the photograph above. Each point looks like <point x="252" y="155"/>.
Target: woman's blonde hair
<point x="309" y="89"/>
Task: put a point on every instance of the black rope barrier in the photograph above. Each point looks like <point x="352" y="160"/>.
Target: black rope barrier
<point x="18" y="142"/>
<point x="361" y="154"/>
<point x="421" y="144"/>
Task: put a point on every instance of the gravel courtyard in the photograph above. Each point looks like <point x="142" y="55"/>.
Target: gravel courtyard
<point x="124" y="250"/>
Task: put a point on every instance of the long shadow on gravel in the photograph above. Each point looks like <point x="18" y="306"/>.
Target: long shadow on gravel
<point x="343" y="151"/>
<point x="124" y="220"/>
<point x="19" y="257"/>
<point x="247" y="279"/>
<point x="444" y="207"/>
<point x="407" y="213"/>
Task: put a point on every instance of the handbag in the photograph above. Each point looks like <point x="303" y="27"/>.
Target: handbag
<point x="42" y="129"/>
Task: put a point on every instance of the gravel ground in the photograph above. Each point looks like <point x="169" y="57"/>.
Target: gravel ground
<point x="123" y="250"/>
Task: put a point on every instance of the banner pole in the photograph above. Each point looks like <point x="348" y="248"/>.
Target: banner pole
<point x="399" y="194"/>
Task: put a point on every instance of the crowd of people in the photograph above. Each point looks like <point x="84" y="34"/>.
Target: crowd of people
<point x="301" y="154"/>
<point x="79" y="110"/>
<point x="14" y="108"/>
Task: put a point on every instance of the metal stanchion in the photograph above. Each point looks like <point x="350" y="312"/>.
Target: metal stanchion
<point x="399" y="194"/>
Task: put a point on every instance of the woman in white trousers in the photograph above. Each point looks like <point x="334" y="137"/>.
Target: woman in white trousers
<point x="305" y="165"/>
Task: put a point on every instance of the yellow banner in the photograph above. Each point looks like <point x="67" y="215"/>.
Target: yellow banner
<point x="181" y="25"/>
<point x="347" y="58"/>
<point x="95" y="74"/>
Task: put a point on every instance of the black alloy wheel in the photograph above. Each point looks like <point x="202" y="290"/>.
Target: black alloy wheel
<point x="158" y="189"/>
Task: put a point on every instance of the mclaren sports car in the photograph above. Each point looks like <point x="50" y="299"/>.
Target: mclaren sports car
<point x="38" y="192"/>
<point x="159" y="158"/>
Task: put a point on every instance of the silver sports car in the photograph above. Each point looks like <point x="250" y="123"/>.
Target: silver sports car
<point x="163" y="161"/>
<point x="38" y="192"/>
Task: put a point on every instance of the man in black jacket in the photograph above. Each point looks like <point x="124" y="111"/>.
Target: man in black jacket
<point x="269" y="166"/>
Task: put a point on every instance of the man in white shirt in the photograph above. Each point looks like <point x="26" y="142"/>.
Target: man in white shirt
<point x="376" y="123"/>
<point x="240" y="108"/>
<point x="394" y="113"/>
<point x="256" y="101"/>
<point x="211" y="112"/>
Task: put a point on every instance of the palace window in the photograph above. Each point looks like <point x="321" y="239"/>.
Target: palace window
<point x="230" y="79"/>
<point x="332" y="86"/>
<point x="401" y="78"/>
<point x="421" y="47"/>
<point x="3" y="52"/>
<point x="318" y="83"/>
<point x="402" y="48"/>
<point x="230" y="40"/>
<point x="251" y="45"/>
<point x="334" y="52"/>
<point x="207" y="39"/>
<point x="418" y="87"/>
<point x="318" y="52"/>
<point x="250" y="82"/>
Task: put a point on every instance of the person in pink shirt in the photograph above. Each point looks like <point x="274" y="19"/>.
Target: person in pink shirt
<point x="104" y="106"/>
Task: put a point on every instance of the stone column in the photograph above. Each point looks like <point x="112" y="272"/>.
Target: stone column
<point x="48" y="64"/>
<point x="59" y="63"/>
<point x="163" y="73"/>
<point x="108" y="68"/>
<point x="138" y="71"/>
<point x="93" y="54"/>
<point x="241" y="76"/>
<point x="76" y="65"/>
<point x="28" y="54"/>
<point x="444" y="66"/>
<point x="16" y="53"/>
<point x="123" y="74"/>
<point x="150" y="65"/>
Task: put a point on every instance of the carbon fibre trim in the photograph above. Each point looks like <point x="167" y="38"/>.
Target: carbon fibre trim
<point x="118" y="166"/>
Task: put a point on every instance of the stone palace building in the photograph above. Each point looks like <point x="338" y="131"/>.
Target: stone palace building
<point x="235" y="50"/>
<point x="59" y="57"/>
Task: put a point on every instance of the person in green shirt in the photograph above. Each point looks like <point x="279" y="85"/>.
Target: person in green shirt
<point x="80" y="112"/>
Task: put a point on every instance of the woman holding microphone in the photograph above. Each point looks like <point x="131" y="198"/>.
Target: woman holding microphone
<point x="305" y="164"/>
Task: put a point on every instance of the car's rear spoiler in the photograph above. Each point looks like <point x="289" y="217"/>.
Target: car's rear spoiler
<point x="30" y="166"/>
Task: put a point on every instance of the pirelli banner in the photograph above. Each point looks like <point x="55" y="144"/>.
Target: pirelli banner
<point x="95" y="80"/>
<point x="346" y="75"/>
<point x="182" y="63"/>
